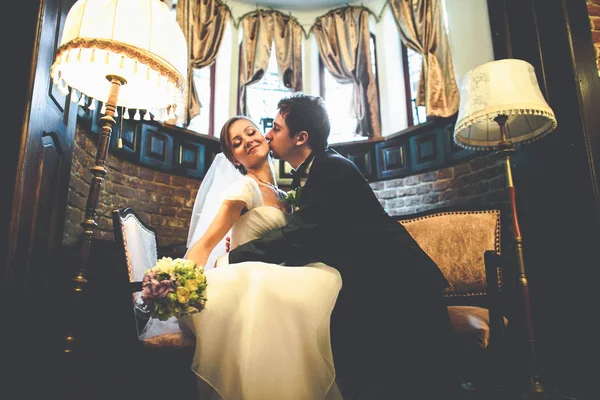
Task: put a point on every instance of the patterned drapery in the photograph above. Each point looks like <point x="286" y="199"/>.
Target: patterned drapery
<point x="260" y="30"/>
<point x="203" y="23"/>
<point x="421" y="26"/>
<point x="343" y="38"/>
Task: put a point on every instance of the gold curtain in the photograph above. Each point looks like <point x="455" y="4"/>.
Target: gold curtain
<point x="203" y="23"/>
<point x="288" y="36"/>
<point x="260" y="29"/>
<point x="343" y="39"/>
<point x="421" y="26"/>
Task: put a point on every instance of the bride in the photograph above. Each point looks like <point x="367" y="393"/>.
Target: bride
<point x="264" y="333"/>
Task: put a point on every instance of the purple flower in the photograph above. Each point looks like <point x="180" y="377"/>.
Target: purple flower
<point x="153" y="289"/>
<point x="147" y="294"/>
<point x="161" y="289"/>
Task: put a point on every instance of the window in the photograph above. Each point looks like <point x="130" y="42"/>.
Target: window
<point x="413" y="62"/>
<point x="262" y="97"/>
<point x="172" y="4"/>
<point x="339" y="101"/>
<point x="204" y="79"/>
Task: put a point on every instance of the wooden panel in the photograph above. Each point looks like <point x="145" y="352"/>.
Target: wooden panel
<point x="143" y="144"/>
<point x="427" y="151"/>
<point x="41" y="188"/>
<point x="156" y="148"/>
<point x="362" y="159"/>
<point x="454" y="152"/>
<point x="47" y="208"/>
<point x="190" y="159"/>
<point x="189" y="155"/>
<point x="392" y="159"/>
<point x="362" y="154"/>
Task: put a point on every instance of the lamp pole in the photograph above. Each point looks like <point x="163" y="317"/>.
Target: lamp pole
<point x="507" y="149"/>
<point x="89" y="223"/>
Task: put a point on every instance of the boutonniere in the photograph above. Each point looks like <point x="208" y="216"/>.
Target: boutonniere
<point x="293" y="198"/>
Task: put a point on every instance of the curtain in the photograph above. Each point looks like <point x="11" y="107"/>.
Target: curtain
<point x="343" y="39"/>
<point x="260" y="29"/>
<point x="422" y="29"/>
<point x="203" y="23"/>
<point x="288" y="36"/>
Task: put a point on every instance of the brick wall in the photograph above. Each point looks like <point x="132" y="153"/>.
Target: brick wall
<point x="594" y="11"/>
<point x="164" y="201"/>
<point x="479" y="181"/>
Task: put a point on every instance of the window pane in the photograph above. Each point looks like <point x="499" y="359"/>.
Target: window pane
<point x="200" y="123"/>
<point x="373" y="57"/>
<point x="339" y="101"/>
<point x="262" y="97"/>
<point x="414" y="69"/>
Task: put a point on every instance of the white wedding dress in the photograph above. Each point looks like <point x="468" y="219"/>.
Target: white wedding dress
<point x="264" y="334"/>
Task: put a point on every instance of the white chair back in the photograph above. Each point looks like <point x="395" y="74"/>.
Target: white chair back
<point x="140" y="247"/>
<point x="140" y="244"/>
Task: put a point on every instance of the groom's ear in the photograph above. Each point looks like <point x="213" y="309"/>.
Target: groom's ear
<point x="302" y="138"/>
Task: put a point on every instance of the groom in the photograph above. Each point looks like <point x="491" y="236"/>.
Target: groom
<point x="390" y="330"/>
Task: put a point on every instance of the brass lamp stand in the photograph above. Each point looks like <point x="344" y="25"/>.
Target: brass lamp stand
<point x="506" y="150"/>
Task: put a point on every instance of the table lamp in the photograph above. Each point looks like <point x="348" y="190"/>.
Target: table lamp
<point x="502" y="107"/>
<point x="123" y="53"/>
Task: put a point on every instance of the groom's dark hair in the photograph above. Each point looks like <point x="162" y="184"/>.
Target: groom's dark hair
<point x="303" y="112"/>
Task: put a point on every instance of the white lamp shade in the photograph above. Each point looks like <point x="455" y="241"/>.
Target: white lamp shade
<point x="137" y="40"/>
<point x="505" y="87"/>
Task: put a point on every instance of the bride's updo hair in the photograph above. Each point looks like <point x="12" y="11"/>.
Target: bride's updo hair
<point x="226" y="141"/>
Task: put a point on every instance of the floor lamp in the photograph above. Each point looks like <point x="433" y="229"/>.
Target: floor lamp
<point x="501" y="106"/>
<point x="126" y="53"/>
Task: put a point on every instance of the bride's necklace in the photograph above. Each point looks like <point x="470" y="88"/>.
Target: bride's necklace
<point x="269" y="184"/>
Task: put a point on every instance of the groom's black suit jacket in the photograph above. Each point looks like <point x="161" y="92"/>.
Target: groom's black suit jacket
<point x="387" y="278"/>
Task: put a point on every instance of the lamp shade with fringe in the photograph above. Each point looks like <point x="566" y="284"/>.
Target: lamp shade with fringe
<point x="504" y="87"/>
<point x="136" y="40"/>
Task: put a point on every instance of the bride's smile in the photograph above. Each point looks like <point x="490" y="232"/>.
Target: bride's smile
<point x="254" y="147"/>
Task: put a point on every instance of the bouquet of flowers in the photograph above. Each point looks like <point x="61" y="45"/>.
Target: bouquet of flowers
<point x="174" y="288"/>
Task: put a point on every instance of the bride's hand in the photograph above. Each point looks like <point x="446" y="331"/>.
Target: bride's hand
<point x="227" y="244"/>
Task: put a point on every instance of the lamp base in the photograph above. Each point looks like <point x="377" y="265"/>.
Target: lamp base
<point x="534" y="389"/>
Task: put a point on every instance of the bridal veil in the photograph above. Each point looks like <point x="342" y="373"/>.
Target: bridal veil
<point x="221" y="175"/>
